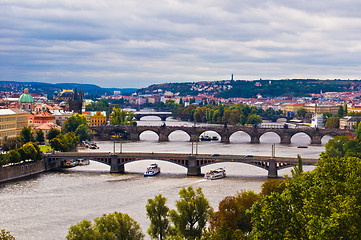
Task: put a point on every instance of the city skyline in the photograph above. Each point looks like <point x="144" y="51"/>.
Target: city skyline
<point x="135" y="43"/>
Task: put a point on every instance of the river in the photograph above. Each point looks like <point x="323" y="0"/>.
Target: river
<point x="46" y="205"/>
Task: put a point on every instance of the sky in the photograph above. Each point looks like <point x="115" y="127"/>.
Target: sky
<point x="136" y="43"/>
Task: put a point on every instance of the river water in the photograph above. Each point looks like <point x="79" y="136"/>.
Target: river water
<point x="46" y="205"/>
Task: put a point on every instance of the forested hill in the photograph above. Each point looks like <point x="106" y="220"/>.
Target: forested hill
<point x="249" y="89"/>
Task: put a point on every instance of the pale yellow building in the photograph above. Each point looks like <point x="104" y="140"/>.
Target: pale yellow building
<point x="317" y="109"/>
<point x="98" y="118"/>
<point x="11" y="122"/>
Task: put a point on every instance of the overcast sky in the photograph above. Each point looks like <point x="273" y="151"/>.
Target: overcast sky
<point x="135" y="43"/>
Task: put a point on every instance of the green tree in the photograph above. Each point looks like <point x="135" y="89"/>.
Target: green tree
<point x="64" y="142"/>
<point x="322" y="204"/>
<point x="26" y="135"/>
<point x="272" y="185"/>
<point x="301" y="113"/>
<point x="193" y="210"/>
<point x="340" y="112"/>
<point x="254" y="119"/>
<point x="158" y="214"/>
<point x="297" y="169"/>
<point x="73" y="122"/>
<point x="121" y="117"/>
<point x="345" y="111"/>
<point x="52" y="133"/>
<point x="5" y="235"/>
<point x="111" y="226"/>
<point x="14" y="156"/>
<point x="30" y="151"/>
<point x="332" y="122"/>
<point x="336" y="147"/>
<point x="83" y="132"/>
<point x="39" y="136"/>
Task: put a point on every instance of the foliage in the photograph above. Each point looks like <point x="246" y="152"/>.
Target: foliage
<point x="101" y="105"/>
<point x="64" y="142"/>
<point x="254" y="119"/>
<point x="52" y="133"/>
<point x="39" y="136"/>
<point x="112" y="226"/>
<point x="73" y="122"/>
<point x="29" y="151"/>
<point x="233" y="220"/>
<point x="297" y="169"/>
<point x="83" y="132"/>
<point x="340" y="112"/>
<point x="332" y="122"/>
<point x="192" y="212"/>
<point x="272" y="185"/>
<point x="322" y="204"/>
<point x="11" y="143"/>
<point x="302" y="113"/>
<point x="121" y="117"/>
<point x="5" y="235"/>
<point x="26" y="135"/>
<point x="158" y="214"/>
<point x="336" y="147"/>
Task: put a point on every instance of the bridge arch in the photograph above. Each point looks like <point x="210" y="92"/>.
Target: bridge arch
<point x="240" y="137"/>
<point x="303" y="137"/>
<point x="179" y="136"/>
<point x="156" y="160"/>
<point x="219" y="163"/>
<point x="270" y="137"/>
<point x="210" y="133"/>
<point x="149" y="135"/>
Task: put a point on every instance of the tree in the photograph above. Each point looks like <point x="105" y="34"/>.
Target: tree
<point x="301" y="113"/>
<point x="73" y="122"/>
<point x="112" y="226"/>
<point x="272" y="185"/>
<point x="83" y="132"/>
<point x="322" y="204"/>
<point x="254" y="119"/>
<point x="193" y="209"/>
<point x="158" y="214"/>
<point x="335" y="147"/>
<point x="30" y="151"/>
<point x="26" y="135"/>
<point x="340" y="112"/>
<point x="52" y="133"/>
<point x="233" y="220"/>
<point x="64" y="142"/>
<point x="5" y="235"/>
<point x="332" y="122"/>
<point x="121" y="117"/>
<point x="297" y="169"/>
<point x="39" y="136"/>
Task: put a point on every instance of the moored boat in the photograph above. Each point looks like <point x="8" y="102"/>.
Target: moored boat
<point x="208" y="138"/>
<point x="83" y="162"/>
<point x="152" y="170"/>
<point x="215" y="174"/>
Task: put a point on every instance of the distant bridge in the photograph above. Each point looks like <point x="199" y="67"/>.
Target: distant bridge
<point x="162" y="115"/>
<point x="193" y="162"/>
<point x="285" y="134"/>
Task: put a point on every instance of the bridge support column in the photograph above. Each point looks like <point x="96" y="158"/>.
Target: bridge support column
<point x="115" y="166"/>
<point x="225" y="138"/>
<point x="272" y="169"/>
<point x="163" y="138"/>
<point x="285" y="139"/>
<point x="254" y="139"/>
<point x="194" y="138"/>
<point x="316" y="139"/>
<point x="193" y="168"/>
<point x="134" y="136"/>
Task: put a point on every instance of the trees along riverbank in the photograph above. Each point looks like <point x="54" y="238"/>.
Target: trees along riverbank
<point x="321" y="204"/>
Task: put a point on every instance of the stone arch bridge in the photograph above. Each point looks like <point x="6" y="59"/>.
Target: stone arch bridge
<point x="285" y="134"/>
<point x="193" y="162"/>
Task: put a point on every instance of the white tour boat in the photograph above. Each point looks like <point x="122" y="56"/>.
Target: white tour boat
<point x="152" y="170"/>
<point x="215" y="174"/>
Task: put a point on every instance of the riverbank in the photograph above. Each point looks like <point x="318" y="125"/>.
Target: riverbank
<point x="17" y="171"/>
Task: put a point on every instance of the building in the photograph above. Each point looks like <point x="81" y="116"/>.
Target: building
<point x="11" y="122"/>
<point x="26" y="101"/>
<point x="98" y="118"/>
<point x="40" y="118"/>
<point x="316" y="109"/>
<point x="317" y="121"/>
<point x="61" y="116"/>
<point x="349" y="122"/>
<point x="45" y="127"/>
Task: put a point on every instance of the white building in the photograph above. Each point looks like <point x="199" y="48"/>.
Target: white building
<point x="61" y="116"/>
<point x="317" y="121"/>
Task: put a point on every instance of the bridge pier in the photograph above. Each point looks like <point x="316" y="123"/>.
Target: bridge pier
<point x="194" y="138"/>
<point x="272" y="169"/>
<point x="134" y="136"/>
<point x="254" y="139"/>
<point x="285" y="139"/>
<point x="193" y="168"/>
<point x="225" y="138"/>
<point x="163" y="138"/>
<point x="315" y="139"/>
<point x="115" y="166"/>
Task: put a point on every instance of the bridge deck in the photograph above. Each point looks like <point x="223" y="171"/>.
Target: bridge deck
<point x="160" y="156"/>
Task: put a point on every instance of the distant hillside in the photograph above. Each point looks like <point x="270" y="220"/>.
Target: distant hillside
<point x="49" y="89"/>
<point x="250" y="89"/>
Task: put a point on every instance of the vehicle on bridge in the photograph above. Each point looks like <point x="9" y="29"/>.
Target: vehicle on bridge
<point x="152" y="170"/>
<point x="215" y="174"/>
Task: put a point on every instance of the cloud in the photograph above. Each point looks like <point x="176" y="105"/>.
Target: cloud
<point x="133" y="43"/>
